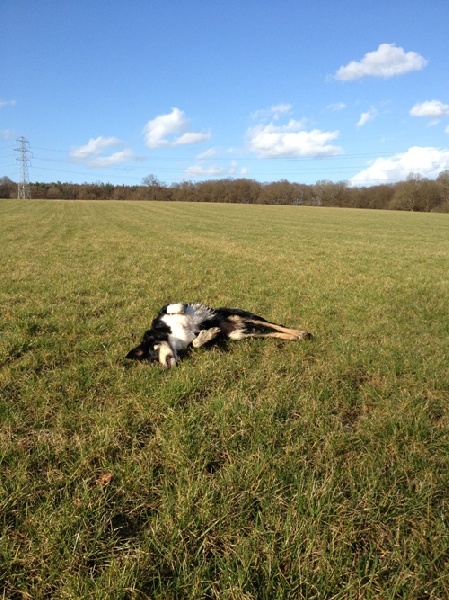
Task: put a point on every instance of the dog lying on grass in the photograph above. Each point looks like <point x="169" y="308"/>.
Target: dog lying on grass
<point x="180" y="326"/>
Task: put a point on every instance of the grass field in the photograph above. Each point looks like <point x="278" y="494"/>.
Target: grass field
<point x="265" y="470"/>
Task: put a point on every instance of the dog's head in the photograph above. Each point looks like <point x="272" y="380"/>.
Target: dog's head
<point x="155" y="350"/>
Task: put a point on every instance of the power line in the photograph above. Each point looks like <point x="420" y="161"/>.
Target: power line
<point x="23" y="187"/>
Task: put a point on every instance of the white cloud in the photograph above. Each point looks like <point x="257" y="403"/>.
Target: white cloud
<point x="336" y="106"/>
<point x="94" y="147"/>
<point x="290" y="141"/>
<point x="199" y="170"/>
<point x="207" y="153"/>
<point x="367" y="116"/>
<point x="426" y="161"/>
<point x="447" y="129"/>
<point x="192" y="137"/>
<point x="114" y="159"/>
<point x="6" y="134"/>
<point x="92" y="153"/>
<point x="4" y="103"/>
<point x="157" y="130"/>
<point x="433" y="109"/>
<point x="172" y="130"/>
<point x="273" y="112"/>
<point x="387" y="61"/>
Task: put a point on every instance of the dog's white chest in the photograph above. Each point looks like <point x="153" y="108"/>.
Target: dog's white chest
<point x="182" y="334"/>
<point x="185" y="326"/>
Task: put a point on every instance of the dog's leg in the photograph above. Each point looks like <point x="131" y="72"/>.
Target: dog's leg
<point x="204" y="336"/>
<point x="281" y="332"/>
<point x="244" y="328"/>
<point x="291" y="337"/>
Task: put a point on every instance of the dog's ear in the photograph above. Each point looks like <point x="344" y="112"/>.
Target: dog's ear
<point x="135" y="353"/>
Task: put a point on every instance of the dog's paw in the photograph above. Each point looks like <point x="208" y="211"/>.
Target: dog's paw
<point x="205" y="336"/>
<point x="175" y="309"/>
<point x="304" y="335"/>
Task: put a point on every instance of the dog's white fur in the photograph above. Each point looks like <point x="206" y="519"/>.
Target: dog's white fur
<point x="184" y="322"/>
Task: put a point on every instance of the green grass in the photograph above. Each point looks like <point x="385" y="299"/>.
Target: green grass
<point x="315" y="470"/>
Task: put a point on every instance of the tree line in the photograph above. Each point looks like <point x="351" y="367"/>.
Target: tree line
<point x="416" y="193"/>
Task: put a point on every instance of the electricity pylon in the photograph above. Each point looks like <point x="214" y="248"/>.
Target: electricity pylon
<point x="23" y="187"/>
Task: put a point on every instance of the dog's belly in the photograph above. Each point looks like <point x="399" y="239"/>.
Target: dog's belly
<point x="182" y="334"/>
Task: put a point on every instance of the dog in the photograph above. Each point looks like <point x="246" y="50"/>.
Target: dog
<point x="178" y="327"/>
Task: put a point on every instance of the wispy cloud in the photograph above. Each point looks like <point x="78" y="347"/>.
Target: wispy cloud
<point x="207" y="153"/>
<point x="273" y="112"/>
<point x="172" y="129"/>
<point x="113" y="159"/>
<point x="387" y="61"/>
<point x="290" y="141"/>
<point x="336" y="106"/>
<point x="93" y="147"/>
<point x="4" y="103"/>
<point x="426" y="161"/>
<point x="6" y="134"/>
<point x="367" y="116"/>
<point x="200" y="170"/>
<point x="93" y="153"/>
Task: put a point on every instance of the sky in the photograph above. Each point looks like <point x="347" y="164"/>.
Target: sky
<point x="190" y="90"/>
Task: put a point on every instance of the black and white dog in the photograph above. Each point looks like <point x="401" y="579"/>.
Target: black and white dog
<point x="179" y="326"/>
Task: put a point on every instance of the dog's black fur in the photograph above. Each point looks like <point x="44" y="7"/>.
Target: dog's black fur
<point x="180" y="326"/>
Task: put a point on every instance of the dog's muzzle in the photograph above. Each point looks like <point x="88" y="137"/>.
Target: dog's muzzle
<point x="167" y="356"/>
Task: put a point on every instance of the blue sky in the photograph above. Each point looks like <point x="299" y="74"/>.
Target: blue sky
<point x="115" y="90"/>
